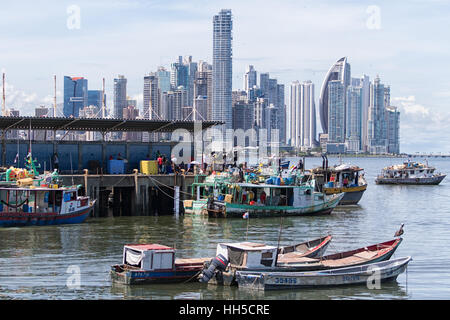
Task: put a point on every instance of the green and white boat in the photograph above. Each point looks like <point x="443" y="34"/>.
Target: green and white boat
<point x="268" y="200"/>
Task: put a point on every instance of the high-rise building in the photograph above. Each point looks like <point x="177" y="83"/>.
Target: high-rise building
<point x="336" y="111"/>
<point x="377" y="124"/>
<point x="75" y="95"/>
<point x="282" y="112"/>
<point x="338" y="71"/>
<point x="163" y="79"/>
<point x="120" y="96"/>
<point x="364" y="83"/>
<point x="250" y="78"/>
<point x="203" y="89"/>
<point x="264" y="84"/>
<point x="173" y="103"/>
<point x="353" y="125"/>
<point x="301" y="116"/>
<point x="192" y="71"/>
<point x="179" y="74"/>
<point x="243" y="115"/>
<point x="95" y="98"/>
<point x="393" y="129"/>
<point x="151" y="104"/>
<point x="222" y="68"/>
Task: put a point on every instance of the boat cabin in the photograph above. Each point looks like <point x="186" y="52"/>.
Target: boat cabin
<point x="248" y="254"/>
<point x="149" y="257"/>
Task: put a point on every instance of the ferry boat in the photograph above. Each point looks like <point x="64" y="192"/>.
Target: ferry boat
<point x="413" y="173"/>
<point x="33" y="201"/>
<point x="343" y="178"/>
<point x="154" y="263"/>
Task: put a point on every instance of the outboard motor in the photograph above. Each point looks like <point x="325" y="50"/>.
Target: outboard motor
<point x="219" y="262"/>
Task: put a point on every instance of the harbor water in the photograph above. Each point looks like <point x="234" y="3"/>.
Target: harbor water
<point x="73" y="261"/>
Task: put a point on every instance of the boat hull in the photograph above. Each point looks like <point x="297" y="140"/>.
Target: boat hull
<point x="132" y="277"/>
<point x="367" y="274"/>
<point x="21" y="219"/>
<point x="237" y="210"/>
<point x="411" y="181"/>
<point x="352" y="195"/>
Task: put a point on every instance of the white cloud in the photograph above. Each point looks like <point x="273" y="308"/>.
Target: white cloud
<point x="408" y="105"/>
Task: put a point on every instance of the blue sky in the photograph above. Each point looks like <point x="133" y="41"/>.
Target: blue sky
<point x="406" y="44"/>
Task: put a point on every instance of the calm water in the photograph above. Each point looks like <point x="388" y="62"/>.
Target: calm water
<point x="34" y="261"/>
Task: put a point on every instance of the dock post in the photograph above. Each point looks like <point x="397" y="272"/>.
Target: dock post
<point x="176" y="200"/>
<point x="136" y="204"/>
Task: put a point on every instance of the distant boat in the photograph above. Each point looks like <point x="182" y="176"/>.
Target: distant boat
<point x="385" y="271"/>
<point x="410" y="173"/>
<point x="154" y="263"/>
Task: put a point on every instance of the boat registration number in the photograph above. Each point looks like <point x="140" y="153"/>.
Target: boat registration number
<point x="285" y="280"/>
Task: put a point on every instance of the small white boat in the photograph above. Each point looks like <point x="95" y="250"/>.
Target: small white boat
<point x="365" y="274"/>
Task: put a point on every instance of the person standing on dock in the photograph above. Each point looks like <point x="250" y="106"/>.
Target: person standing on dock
<point x="55" y="162"/>
<point x="159" y="160"/>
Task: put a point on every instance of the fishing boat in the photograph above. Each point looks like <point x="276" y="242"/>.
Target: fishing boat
<point x="256" y="255"/>
<point x="262" y="258"/>
<point x="413" y="173"/>
<point x="154" y="263"/>
<point x="271" y="200"/>
<point x="365" y="274"/>
<point x="26" y="205"/>
<point x="343" y="178"/>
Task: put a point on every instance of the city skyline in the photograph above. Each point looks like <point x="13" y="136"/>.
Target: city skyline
<point x="420" y="92"/>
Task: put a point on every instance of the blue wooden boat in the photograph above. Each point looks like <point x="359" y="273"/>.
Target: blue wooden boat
<point x="368" y="274"/>
<point x="154" y="263"/>
<point x="30" y="205"/>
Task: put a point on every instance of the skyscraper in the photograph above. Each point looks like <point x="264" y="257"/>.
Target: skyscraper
<point x="75" y="95"/>
<point x="163" y="79"/>
<point x="95" y="98"/>
<point x="250" y="77"/>
<point x="120" y="96"/>
<point x="151" y="105"/>
<point x="203" y="90"/>
<point x="377" y="124"/>
<point x="364" y="83"/>
<point x="353" y="120"/>
<point x="338" y="71"/>
<point x="222" y="68"/>
<point x="393" y="129"/>
<point x="336" y="111"/>
<point x="301" y="120"/>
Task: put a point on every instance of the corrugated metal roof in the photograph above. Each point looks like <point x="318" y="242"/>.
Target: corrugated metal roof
<point x="98" y="124"/>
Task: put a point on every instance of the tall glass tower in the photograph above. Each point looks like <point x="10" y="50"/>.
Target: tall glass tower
<point x="75" y="96"/>
<point x="120" y="96"/>
<point x="222" y="68"/>
<point x="338" y="71"/>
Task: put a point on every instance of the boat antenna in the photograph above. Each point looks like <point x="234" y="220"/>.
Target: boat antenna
<point x="279" y="238"/>
<point x="71" y="168"/>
